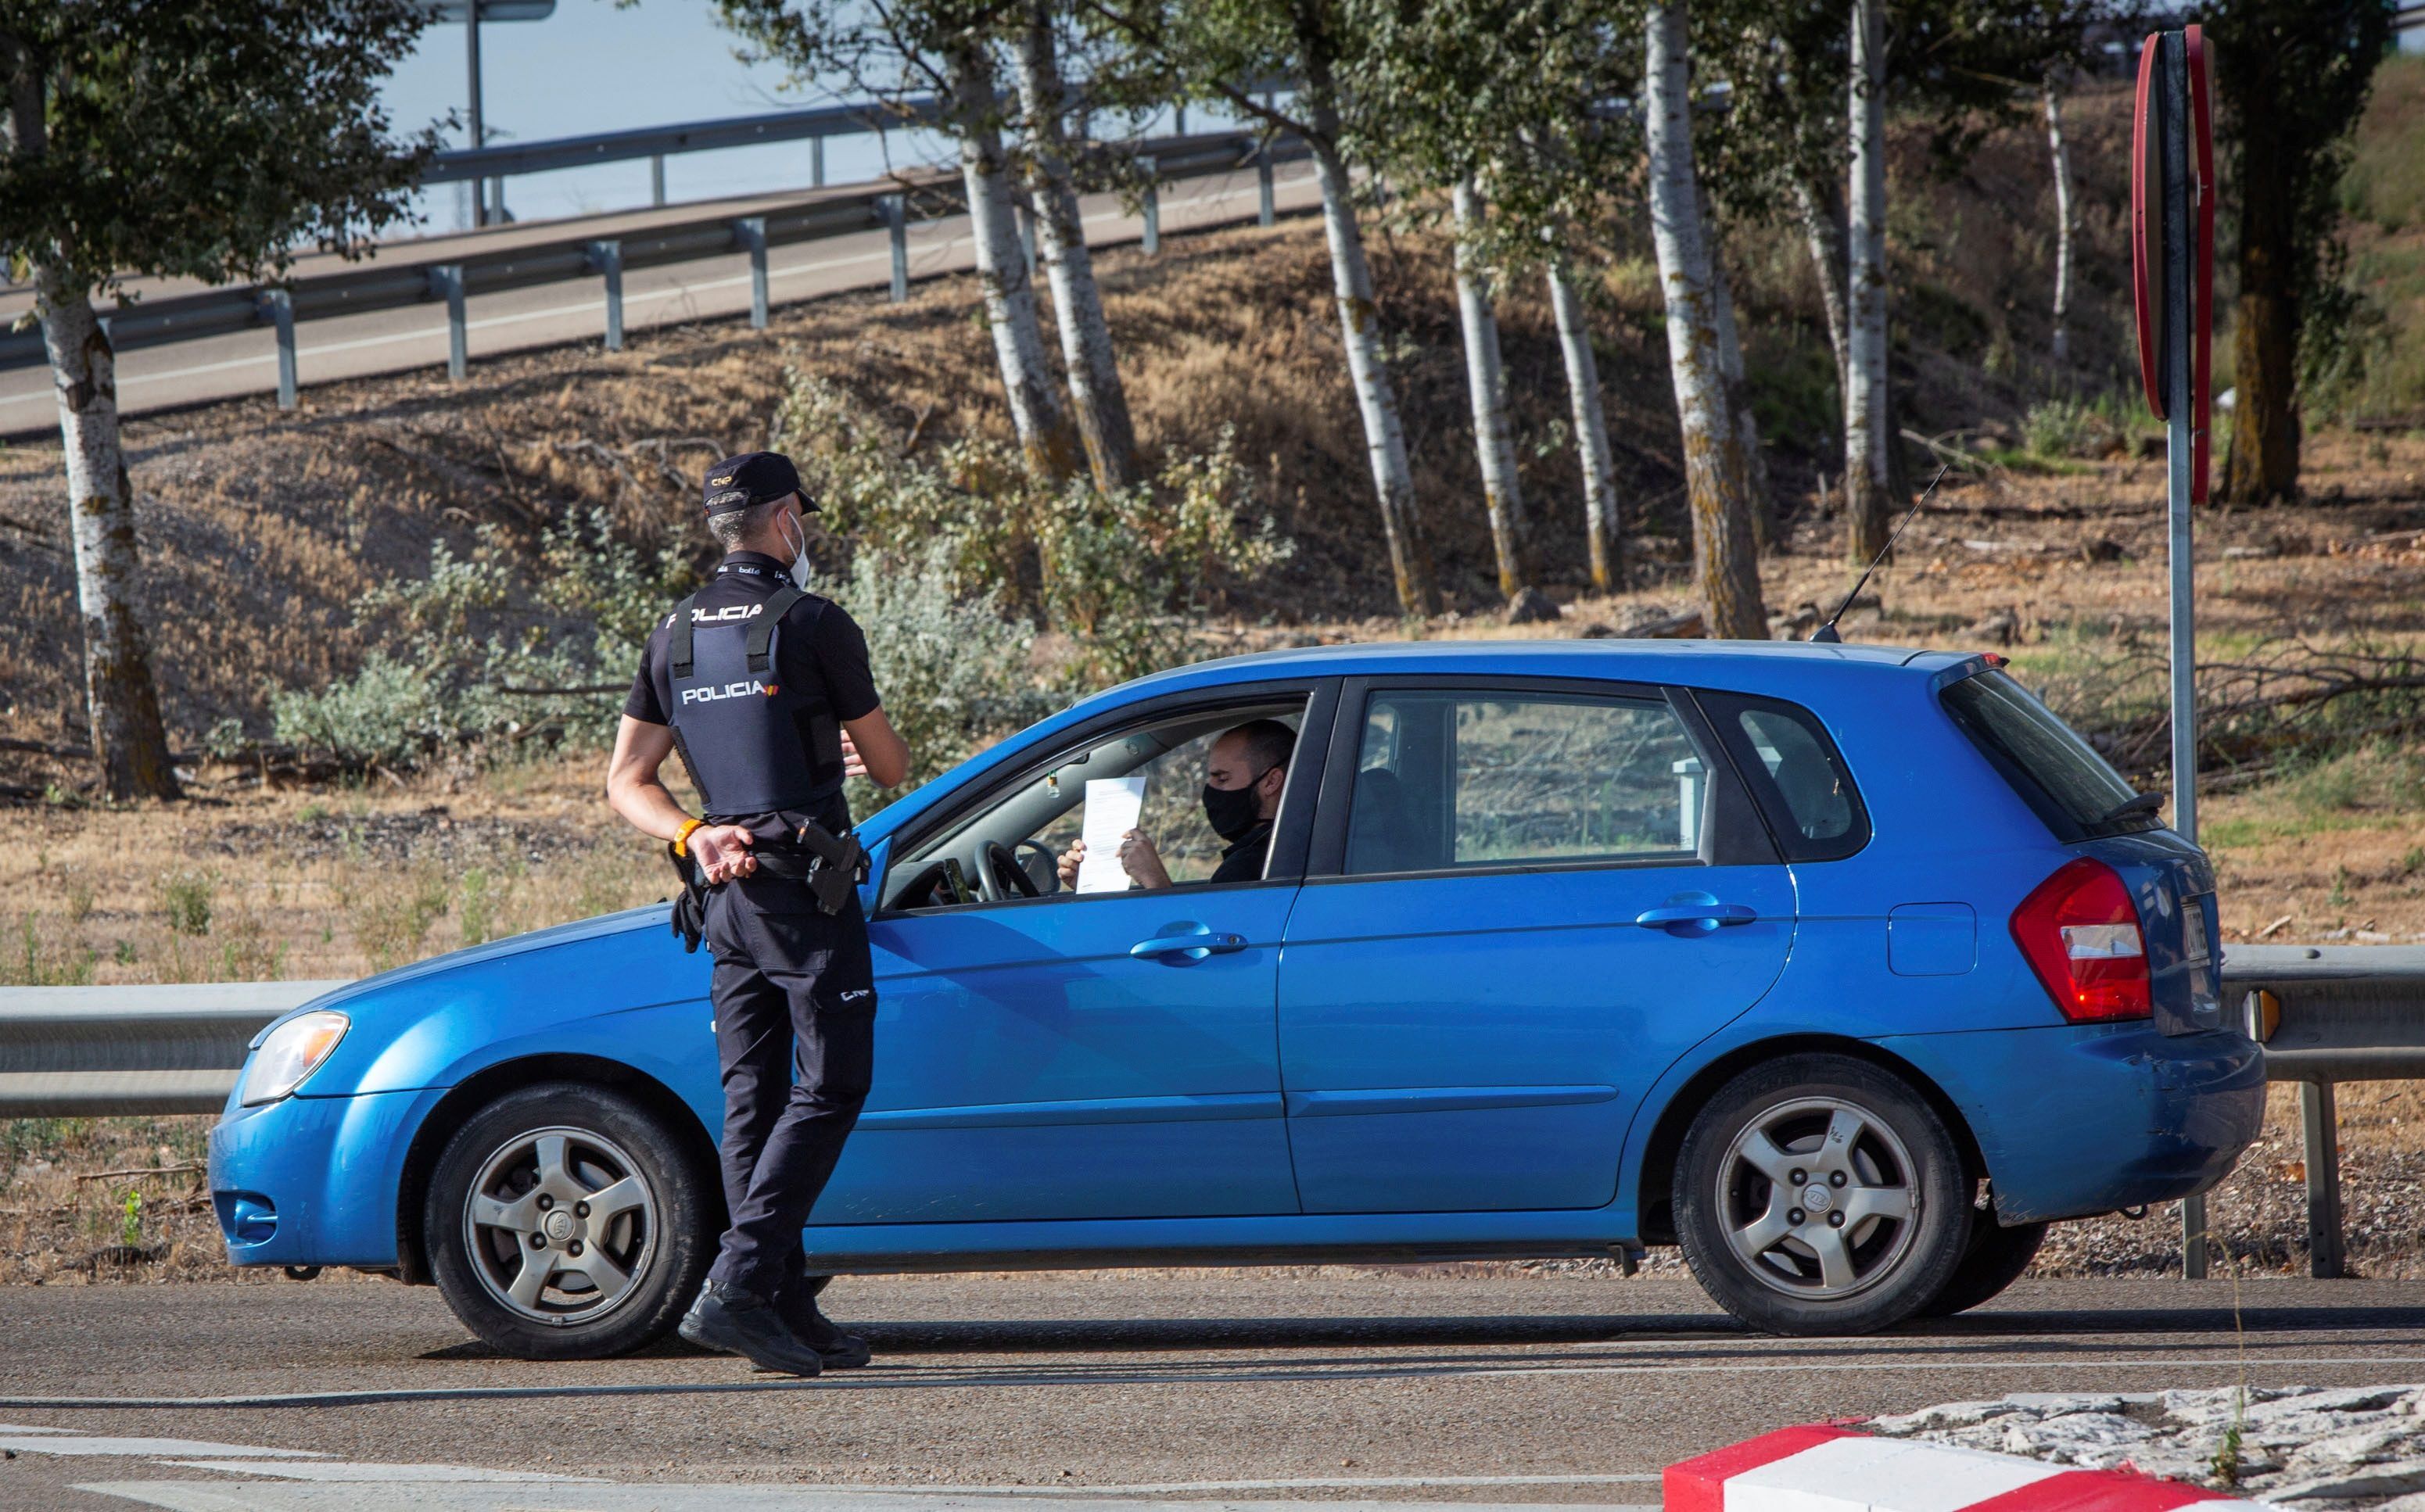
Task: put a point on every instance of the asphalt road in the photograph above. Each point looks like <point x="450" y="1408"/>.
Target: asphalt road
<point x="1130" y="1387"/>
<point x="395" y="340"/>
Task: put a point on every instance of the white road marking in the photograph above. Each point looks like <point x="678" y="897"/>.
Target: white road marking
<point x="1311" y="1484"/>
<point x="152" y="1448"/>
<point x="33" y="1427"/>
<point x="353" y="1473"/>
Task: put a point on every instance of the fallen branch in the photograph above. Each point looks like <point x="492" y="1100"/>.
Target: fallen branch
<point x="143" y="1170"/>
<point x="1951" y="453"/>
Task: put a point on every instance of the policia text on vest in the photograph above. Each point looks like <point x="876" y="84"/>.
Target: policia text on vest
<point x="762" y="689"/>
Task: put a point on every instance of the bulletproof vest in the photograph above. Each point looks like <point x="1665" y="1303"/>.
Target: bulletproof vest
<point x="753" y="745"/>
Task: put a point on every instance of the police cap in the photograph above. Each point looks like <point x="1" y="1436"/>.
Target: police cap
<point x="751" y="479"/>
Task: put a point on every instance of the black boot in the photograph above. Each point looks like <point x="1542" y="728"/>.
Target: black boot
<point x="733" y="1322"/>
<point x="797" y="1306"/>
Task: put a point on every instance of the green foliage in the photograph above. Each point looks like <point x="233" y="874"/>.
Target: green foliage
<point x="476" y="907"/>
<point x="1119" y="572"/>
<point x="187" y="897"/>
<point x="37" y="965"/>
<point x="130" y="1225"/>
<point x="209" y="141"/>
<point x="951" y="563"/>
<point x="487" y="656"/>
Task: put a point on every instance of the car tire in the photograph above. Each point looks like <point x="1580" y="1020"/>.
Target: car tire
<point x="1817" y="1194"/>
<point x="1995" y="1259"/>
<point x="589" y="1185"/>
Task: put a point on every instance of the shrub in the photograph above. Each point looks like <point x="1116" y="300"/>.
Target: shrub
<point x="185" y="896"/>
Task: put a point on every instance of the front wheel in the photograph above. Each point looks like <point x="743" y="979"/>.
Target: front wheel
<point x="566" y="1221"/>
<point x="1819" y="1194"/>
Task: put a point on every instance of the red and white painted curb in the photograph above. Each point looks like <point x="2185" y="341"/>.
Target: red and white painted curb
<point x="1825" y="1468"/>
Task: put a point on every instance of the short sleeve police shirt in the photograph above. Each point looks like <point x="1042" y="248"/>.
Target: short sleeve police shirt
<point x="818" y="642"/>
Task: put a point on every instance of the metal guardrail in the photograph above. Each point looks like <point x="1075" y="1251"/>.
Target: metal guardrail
<point x="506" y="159"/>
<point x="75" y="1052"/>
<point x="2339" y="1014"/>
<point x="421" y="275"/>
<point x="2336" y="1013"/>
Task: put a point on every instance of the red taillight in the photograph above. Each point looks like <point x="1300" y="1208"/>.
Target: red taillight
<point x="2080" y="932"/>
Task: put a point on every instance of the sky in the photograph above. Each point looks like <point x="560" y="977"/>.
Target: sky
<point x="594" y="66"/>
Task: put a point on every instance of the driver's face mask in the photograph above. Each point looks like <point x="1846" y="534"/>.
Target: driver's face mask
<point x="1233" y="811"/>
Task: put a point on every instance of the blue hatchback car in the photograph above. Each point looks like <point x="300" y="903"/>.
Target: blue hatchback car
<point x="1847" y="969"/>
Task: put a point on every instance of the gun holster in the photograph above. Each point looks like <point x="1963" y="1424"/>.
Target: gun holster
<point x="837" y="865"/>
<point x="690" y="904"/>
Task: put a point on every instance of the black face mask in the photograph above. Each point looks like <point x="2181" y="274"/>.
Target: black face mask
<point x="1233" y="811"/>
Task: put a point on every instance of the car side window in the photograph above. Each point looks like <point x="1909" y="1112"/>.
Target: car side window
<point x="1448" y="781"/>
<point x="1795" y="774"/>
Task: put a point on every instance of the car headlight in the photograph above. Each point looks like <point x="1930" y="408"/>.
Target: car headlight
<point x="291" y="1052"/>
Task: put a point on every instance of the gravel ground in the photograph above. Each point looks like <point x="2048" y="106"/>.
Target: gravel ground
<point x="2307" y="1446"/>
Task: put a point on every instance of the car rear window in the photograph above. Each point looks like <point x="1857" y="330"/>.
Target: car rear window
<point x="2047" y="763"/>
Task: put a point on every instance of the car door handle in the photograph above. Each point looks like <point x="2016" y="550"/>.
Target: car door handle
<point x="1194" y="944"/>
<point x="1695" y="917"/>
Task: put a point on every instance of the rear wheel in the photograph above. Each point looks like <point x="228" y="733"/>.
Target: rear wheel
<point x="1819" y="1194"/>
<point x="1997" y="1257"/>
<point x="566" y="1221"/>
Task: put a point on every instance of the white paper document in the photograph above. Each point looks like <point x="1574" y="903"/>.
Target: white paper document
<point x="1114" y="806"/>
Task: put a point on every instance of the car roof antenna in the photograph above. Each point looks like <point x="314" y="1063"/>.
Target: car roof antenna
<point x="1825" y="634"/>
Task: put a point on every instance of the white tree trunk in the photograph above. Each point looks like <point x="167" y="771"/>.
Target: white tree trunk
<point x="1822" y="226"/>
<point x="1867" y="437"/>
<point x="1385" y="437"/>
<point x="1095" y="390"/>
<point x="1725" y="557"/>
<point x="1605" y="542"/>
<point x="1486" y="379"/>
<point x="128" y="737"/>
<point x="2061" y="150"/>
<point x="1044" y="433"/>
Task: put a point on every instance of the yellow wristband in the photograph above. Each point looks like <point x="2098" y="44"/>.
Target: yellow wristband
<point x="682" y="840"/>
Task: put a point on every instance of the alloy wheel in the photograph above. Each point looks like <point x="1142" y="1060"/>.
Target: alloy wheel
<point x="1819" y="1197"/>
<point x="560" y="1225"/>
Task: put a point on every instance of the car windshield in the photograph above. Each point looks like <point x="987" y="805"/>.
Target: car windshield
<point x="2008" y="722"/>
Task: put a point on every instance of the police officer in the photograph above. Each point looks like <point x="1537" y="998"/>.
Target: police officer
<point x="763" y="690"/>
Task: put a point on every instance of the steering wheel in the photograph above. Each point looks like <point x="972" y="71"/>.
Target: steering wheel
<point x="999" y="875"/>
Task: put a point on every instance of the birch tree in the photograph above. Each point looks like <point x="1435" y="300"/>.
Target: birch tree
<point x="1602" y="539"/>
<point x="1725" y="558"/>
<point x="1866" y="433"/>
<point x="174" y="141"/>
<point x="946" y="48"/>
<point x="1494" y="427"/>
<point x="2059" y="347"/>
<point x="1514" y="105"/>
<point x="1212" y="50"/>
<point x="1095" y="394"/>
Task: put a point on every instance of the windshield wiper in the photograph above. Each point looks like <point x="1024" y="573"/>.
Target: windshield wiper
<point x="2135" y="803"/>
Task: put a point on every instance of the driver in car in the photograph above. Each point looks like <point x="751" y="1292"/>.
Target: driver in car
<point x="1243" y="779"/>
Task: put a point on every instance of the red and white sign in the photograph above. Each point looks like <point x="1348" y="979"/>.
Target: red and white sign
<point x="1825" y="1468"/>
<point x="2154" y="221"/>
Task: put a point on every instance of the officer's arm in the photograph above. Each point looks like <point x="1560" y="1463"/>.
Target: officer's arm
<point x="632" y="786"/>
<point x="880" y="748"/>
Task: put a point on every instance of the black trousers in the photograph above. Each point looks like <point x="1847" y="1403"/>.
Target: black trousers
<point x="795" y="994"/>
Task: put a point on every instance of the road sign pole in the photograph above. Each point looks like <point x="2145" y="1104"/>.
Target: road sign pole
<point x="817" y="162"/>
<point x="657" y="180"/>
<point x="1264" y="207"/>
<point x="480" y="137"/>
<point x="2176" y="328"/>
